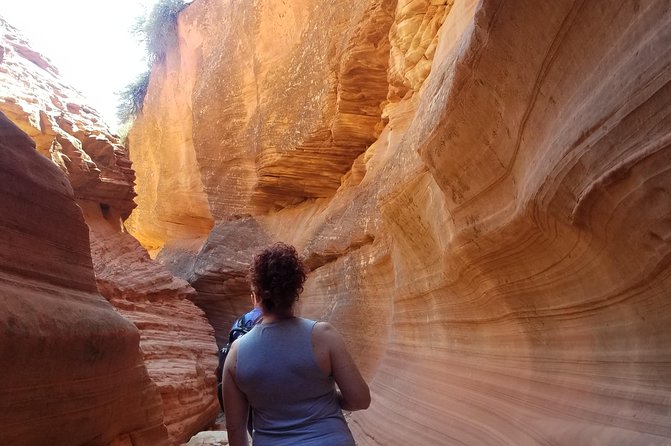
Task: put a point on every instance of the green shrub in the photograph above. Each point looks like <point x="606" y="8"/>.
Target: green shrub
<point x="131" y="98"/>
<point x="159" y="29"/>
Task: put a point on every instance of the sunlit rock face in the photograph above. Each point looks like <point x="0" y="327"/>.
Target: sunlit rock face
<point x="279" y="119"/>
<point x="72" y="372"/>
<point x="496" y="250"/>
<point x="176" y="343"/>
<point x="64" y="128"/>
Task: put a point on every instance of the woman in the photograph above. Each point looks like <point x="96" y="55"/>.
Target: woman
<point x="286" y="367"/>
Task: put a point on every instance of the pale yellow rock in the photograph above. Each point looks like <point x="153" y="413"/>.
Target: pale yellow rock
<point x="209" y="438"/>
<point x="413" y="38"/>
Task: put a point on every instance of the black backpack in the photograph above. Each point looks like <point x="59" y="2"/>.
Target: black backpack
<point x="241" y="327"/>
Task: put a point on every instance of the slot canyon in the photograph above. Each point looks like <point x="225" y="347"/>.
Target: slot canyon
<point x="480" y="189"/>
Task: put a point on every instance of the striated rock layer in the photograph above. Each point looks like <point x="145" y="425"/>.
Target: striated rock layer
<point x="64" y="128"/>
<point x="235" y="135"/>
<point x="71" y="371"/>
<point x="175" y="339"/>
<point x="491" y="229"/>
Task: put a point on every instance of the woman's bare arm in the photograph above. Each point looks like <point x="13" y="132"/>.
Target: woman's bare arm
<point x="235" y="402"/>
<point x="332" y="355"/>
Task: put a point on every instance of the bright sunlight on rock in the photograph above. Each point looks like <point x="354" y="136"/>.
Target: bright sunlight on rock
<point x="480" y="189"/>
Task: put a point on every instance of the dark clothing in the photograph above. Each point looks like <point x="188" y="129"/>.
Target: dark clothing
<point x="241" y="325"/>
<point x="250" y="318"/>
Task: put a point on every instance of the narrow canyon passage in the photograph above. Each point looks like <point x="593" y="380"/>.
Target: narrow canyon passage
<point x="481" y="190"/>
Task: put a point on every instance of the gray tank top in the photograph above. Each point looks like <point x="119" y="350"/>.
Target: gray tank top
<point x="293" y="401"/>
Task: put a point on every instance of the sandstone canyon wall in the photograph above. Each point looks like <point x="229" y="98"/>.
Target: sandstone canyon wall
<point x="165" y="370"/>
<point x="72" y="372"/>
<point x="481" y="189"/>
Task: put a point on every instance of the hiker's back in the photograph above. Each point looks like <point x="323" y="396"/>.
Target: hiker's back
<point x="288" y="391"/>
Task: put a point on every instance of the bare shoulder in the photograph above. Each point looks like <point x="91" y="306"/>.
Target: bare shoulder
<point x="322" y="327"/>
<point x="325" y="332"/>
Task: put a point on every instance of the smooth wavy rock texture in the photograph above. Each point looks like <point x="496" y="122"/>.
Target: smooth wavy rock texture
<point x="176" y="344"/>
<point x="72" y="372"/>
<point x="481" y="189"/>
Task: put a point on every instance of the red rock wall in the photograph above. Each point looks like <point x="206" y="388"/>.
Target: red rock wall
<point x="64" y="128"/>
<point x="176" y="342"/>
<point x="72" y="372"/>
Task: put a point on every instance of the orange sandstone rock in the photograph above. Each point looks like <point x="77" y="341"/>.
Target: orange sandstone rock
<point x="280" y="119"/>
<point x="494" y="245"/>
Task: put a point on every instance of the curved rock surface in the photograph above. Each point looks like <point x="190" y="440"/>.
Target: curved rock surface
<point x="176" y="342"/>
<point x="494" y="243"/>
<point x="71" y="371"/>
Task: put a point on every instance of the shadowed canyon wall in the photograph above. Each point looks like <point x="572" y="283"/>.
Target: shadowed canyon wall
<point x="147" y="382"/>
<point x="72" y="372"/>
<point x="481" y="190"/>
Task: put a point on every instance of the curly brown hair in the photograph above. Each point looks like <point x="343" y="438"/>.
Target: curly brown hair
<point x="277" y="275"/>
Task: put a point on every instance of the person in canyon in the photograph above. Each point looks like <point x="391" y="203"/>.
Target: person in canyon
<point x="286" y="368"/>
<point x="242" y="325"/>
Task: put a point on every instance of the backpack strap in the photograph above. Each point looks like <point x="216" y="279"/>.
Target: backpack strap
<point x="258" y="319"/>
<point x="236" y="332"/>
<point x="242" y="326"/>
